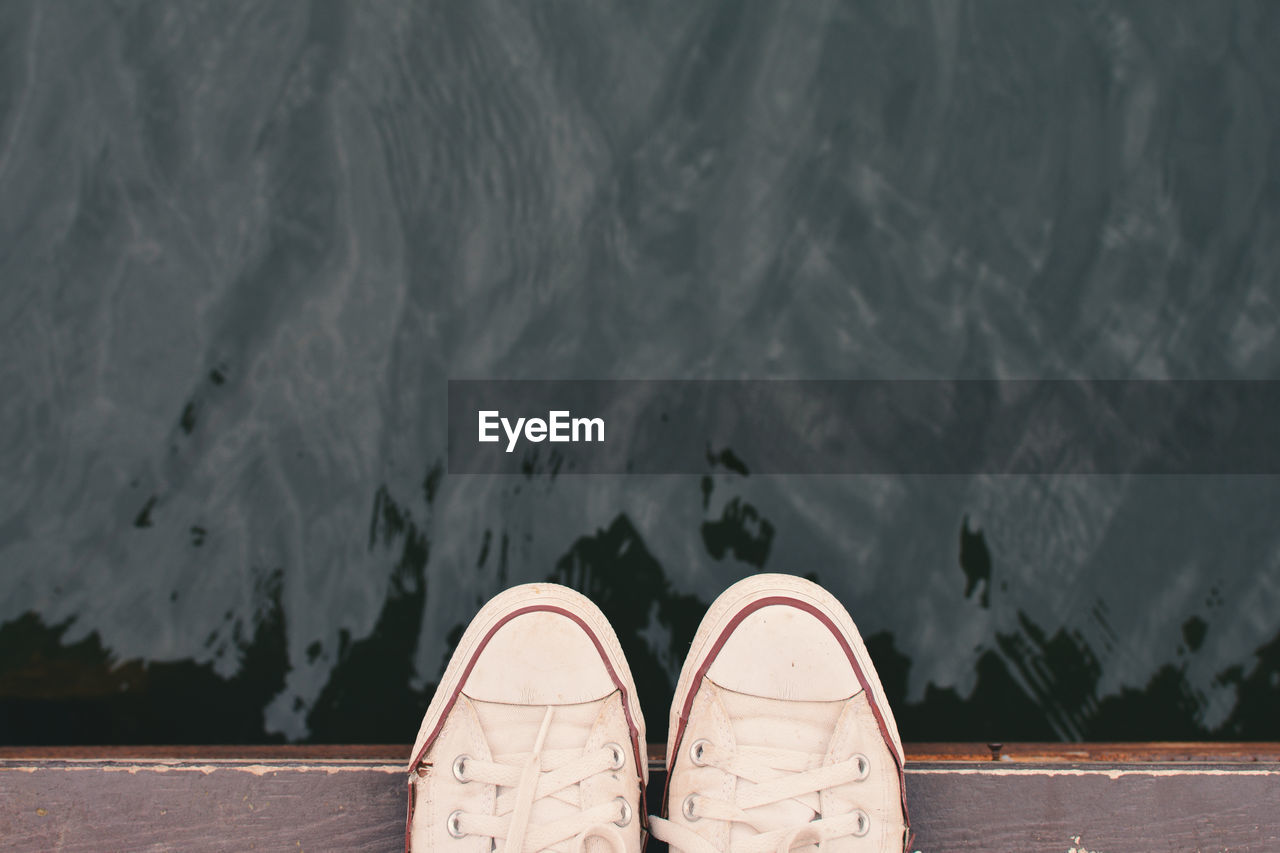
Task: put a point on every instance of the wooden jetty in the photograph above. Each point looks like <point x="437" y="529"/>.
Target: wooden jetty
<point x="1100" y="798"/>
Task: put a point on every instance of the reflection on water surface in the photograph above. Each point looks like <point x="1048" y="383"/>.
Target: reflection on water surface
<point x="243" y="249"/>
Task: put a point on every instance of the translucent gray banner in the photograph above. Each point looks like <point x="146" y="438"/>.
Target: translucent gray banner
<point x="941" y="427"/>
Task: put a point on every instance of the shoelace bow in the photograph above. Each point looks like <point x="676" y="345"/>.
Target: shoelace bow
<point x="778" y="775"/>
<point x="557" y="774"/>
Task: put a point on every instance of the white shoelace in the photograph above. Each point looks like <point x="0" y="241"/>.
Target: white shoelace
<point x="777" y="775"/>
<point x="556" y="774"/>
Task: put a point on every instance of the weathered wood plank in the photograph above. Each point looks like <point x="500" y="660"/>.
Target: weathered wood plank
<point x="390" y="753"/>
<point x="1041" y="753"/>
<point x="1131" y="808"/>
<point x="180" y="805"/>
<point x="1111" y="753"/>
<point x="292" y="803"/>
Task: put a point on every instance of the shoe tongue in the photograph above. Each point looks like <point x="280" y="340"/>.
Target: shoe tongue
<point x="782" y="723"/>
<point x="512" y="730"/>
<point x="800" y="726"/>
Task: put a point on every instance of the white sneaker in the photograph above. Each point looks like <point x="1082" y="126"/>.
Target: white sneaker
<point x="781" y="738"/>
<point x="534" y="740"/>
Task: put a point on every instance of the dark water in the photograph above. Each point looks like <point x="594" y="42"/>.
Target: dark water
<point x="243" y="245"/>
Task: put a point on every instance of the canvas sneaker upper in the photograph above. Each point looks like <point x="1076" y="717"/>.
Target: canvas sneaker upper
<point x="780" y="735"/>
<point x="533" y="741"/>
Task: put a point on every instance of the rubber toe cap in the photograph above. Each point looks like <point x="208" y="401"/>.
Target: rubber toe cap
<point x="783" y="652"/>
<point x="539" y="658"/>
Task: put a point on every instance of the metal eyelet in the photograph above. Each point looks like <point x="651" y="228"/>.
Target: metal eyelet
<point x="460" y="768"/>
<point x="687" y="809"/>
<point x="698" y="751"/>
<point x="625" y="820"/>
<point x="864" y="766"/>
<point x="454" y="824"/>
<point x="864" y="824"/>
<point x="619" y="757"/>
